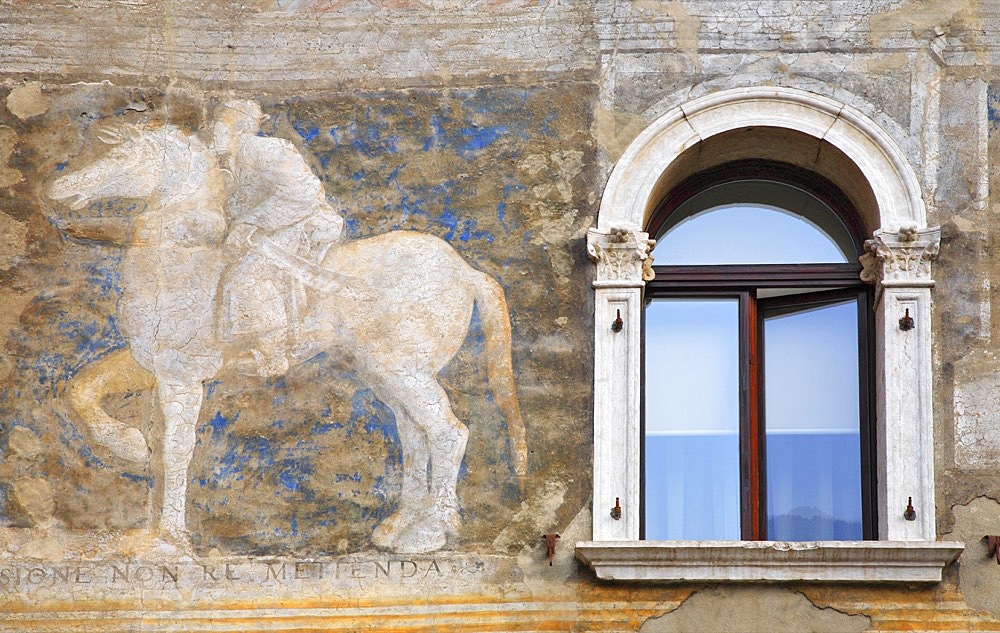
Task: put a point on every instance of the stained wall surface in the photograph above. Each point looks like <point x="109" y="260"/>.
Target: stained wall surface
<point x="296" y="316"/>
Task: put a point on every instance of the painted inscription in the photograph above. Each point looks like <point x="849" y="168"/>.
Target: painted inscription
<point x="237" y="264"/>
<point x="351" y="571"/>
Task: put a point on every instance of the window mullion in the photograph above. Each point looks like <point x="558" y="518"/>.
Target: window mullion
<point x="866" y="399"/>
<point x="753" y="497"/>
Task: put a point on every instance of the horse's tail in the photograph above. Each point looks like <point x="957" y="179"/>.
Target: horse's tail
<point x="496" y="329"/>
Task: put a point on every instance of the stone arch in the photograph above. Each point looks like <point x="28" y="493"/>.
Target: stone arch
<point x="648" y="166"/>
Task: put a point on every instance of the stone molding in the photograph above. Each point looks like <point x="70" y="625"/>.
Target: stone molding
<point x="770" y="561"/>
<point x="622" y="256"/>
<point x="632" y="184"/>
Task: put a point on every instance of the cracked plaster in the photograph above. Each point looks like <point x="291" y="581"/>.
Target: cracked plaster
<point x="752" y="610"/>
<point x="978" y="571"/>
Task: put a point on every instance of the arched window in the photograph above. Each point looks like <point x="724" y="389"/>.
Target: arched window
<point x="688" y="172"/>
<point x="757" y="362"/>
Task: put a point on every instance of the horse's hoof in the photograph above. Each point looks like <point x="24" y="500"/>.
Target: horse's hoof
<point x="385" y="535"/>
<point x="423" y="537"/>
<point x="170" y="546"/>
<point x="126" y="442"/>
<point x="429" y="532"/>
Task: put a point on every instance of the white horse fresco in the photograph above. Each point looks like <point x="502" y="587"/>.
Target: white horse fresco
<point x="401" y="308"/>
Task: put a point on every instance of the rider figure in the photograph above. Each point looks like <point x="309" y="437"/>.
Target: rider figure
<point x="279" y="224"/>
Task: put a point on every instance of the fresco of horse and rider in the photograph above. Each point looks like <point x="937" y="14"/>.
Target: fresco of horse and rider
<point x="460" y="209"/>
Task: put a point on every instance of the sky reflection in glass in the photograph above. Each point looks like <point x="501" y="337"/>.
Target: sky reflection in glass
<point x="744" y="233"/>
<point x="811" y="416"/>
<point x="692" y="419"/>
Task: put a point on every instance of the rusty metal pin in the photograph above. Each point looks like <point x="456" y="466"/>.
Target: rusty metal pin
<point x="906" y="322"/>
<point x="618" y="324"/>
<point x="550" y="545"/>
<point x="993" y="545"/>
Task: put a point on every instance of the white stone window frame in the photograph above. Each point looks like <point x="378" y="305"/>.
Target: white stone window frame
<point x="898" y="262"/>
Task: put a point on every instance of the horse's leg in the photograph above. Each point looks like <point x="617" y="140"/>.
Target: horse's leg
<point x="414" y="493"/>
<point x="447" y="437"/>
<point x="115" y="373"/>
<point x="180" y="401"/>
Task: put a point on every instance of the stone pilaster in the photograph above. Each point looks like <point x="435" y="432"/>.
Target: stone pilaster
<point x="623" y="261"/>
<point x="899" y="265"/>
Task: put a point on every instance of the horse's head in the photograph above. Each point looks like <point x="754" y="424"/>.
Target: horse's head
<point x="133" y="168"/>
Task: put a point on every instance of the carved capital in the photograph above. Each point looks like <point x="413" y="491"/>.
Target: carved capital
<point x="901" y="259"/>
<point x="622" y="256"/>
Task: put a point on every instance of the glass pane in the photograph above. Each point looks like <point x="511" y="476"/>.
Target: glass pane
<point x="754" y="222"/>
<point x="812" y="425"/>
<point x="692" y="419"/>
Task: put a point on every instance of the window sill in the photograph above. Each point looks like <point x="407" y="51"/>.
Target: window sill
<point x="769" y="561"/>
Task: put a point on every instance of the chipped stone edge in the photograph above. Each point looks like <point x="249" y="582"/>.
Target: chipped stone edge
<point x="770" y="561"/>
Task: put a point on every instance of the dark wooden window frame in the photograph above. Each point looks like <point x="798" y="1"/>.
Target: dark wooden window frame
<point x="832" y="283"/>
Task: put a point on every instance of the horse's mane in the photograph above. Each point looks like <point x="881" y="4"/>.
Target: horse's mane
<point x="119" y="133"/>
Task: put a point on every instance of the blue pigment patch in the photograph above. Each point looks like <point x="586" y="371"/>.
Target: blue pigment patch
<point x="375" y="418"/>
<point x="394" y="174"/>
<point x="69" y="435"/>
<point x="92" y="338"/>
<point x="439" y="135"/>
<point x="479" y="138"/>
<point x="139" y="479"/>
<point x="993" y="106"/>
<point x="373" y="140"/>
<point x="382" y="422"/>
<point x="476" y="334"/>
<point x="318" y="358"/>
<point x="291" y="481"/>
<point x="239" y="458"/>
<point x="220" y="423"/>
<point x="231" y="465"/>
<point x="307" y="133"/>
<point x="469" y="234"/>
<point x="320" y="429"/>
<point x="352" y="225"/>
<point x="448" y="220"/>
<point x="510" y="494"/>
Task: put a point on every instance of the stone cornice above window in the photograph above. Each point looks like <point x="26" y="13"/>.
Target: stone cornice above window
<point x="769" y="561"/>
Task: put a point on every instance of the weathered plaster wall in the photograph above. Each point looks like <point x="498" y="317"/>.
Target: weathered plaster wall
<point x="491" y="125"/>
<point x="490" y="170"/>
